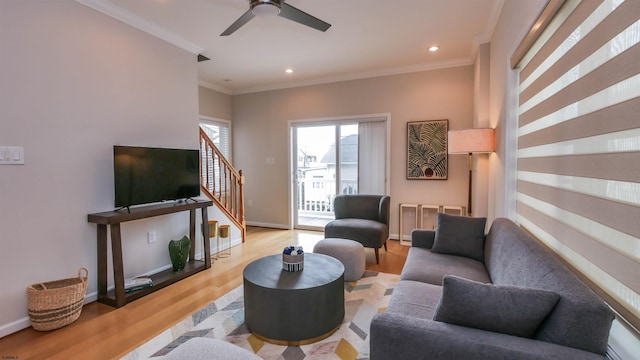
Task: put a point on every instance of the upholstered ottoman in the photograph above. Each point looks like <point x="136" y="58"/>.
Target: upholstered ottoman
<point x="349" y="252"/>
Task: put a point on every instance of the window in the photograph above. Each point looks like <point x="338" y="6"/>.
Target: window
<point x="219" y="132"/>
<point x="578" y="180"/>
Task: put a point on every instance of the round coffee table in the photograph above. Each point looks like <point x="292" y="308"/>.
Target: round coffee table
<point x="294" y="308"/>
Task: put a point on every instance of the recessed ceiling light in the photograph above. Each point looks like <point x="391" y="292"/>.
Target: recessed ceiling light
<point x="434" y="48"/>
<point x="289" y="71"/>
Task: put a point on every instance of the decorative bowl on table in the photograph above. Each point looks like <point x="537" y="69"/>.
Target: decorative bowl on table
<point x="293" y="258"/>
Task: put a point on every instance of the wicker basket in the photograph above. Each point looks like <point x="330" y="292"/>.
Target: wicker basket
<point x="55" y="304"/>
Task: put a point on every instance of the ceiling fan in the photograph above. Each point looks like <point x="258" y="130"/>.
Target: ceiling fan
<point x="273" y="8"/>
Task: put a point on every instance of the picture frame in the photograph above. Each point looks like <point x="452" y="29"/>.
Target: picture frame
<point x="427" y="157"/>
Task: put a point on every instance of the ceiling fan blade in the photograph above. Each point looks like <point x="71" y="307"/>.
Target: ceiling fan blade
<point x="299" y="16"/>
<point x="238" y="23"/>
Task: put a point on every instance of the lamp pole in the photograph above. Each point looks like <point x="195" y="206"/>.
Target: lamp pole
<point x="470" y="175"/>
<point x="468" y="142"/>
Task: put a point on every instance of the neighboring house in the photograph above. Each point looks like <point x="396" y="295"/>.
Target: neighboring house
<point x="348" y="163"/>
<point x="316" y="180"/>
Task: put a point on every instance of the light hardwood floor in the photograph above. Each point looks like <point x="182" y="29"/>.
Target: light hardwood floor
<point x="103" y="332"/>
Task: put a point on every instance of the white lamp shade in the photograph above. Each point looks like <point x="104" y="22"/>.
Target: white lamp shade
<point x="471" y="141"/>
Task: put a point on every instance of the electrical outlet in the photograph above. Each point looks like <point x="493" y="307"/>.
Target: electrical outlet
<point x="250" y="203"/>
<point x="151" y="237"/>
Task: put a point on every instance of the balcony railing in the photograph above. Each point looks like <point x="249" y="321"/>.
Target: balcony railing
<point x="315" y="196"/>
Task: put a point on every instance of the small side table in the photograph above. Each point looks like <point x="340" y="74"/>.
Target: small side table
<point x="224" y="232"/>
<point x="401" y="220"/>
<point x="428" y="216"/>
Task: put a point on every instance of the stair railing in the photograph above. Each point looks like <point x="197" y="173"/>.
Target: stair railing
<point x="221" y="182"/>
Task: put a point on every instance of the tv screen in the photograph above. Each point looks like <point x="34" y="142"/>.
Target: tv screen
<point x="145" y="175"/>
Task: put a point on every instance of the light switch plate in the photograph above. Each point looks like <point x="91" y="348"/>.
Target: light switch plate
<point x="11" y="155"/>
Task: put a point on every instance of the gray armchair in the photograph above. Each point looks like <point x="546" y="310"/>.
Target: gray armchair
<point x="362" y="218"/>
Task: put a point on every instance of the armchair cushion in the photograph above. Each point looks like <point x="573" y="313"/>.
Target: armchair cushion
<point x="369" y="207"/>
<point x="505" y="309"/>
<point x="460" y="235"/>
<point x="369" y="233"/>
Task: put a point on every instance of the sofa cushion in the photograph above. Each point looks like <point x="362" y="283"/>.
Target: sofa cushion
<point x="460" y="235"/>
<point x="509" y="310"/>
<point x="426" y="266"/>
<point x="415" y="299"/>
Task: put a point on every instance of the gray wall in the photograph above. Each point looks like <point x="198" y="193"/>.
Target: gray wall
<point x="261" y="120"/>
<point x="214" y="104"/>
<point x="516" y="19"/>
<point x="74" y="83"/>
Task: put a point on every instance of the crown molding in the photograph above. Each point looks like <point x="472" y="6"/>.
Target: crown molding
<point x="486" y="36"/>
<point x="359" y="76"/>
<point x="209" y="85"/>
<point x="108" y="8"/>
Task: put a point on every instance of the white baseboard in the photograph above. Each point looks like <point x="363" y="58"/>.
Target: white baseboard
<point x="14" y="326"/>
<point x="268" y="225"/>
<point x="25" y="322"/>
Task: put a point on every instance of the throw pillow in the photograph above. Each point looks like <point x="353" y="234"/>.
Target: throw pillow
<point x="460" y="235"/>
<point x="505" y="309"/>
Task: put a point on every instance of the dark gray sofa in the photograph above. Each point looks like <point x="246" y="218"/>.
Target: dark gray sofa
<point x="577" y="326"/>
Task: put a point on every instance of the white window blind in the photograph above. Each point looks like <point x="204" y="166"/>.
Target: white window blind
<point x="218" y="132"/>
<point x="578" y="170"/>
<point x="372" y="151"/>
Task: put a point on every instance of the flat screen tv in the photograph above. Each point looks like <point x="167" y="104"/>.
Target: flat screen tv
<point x="145" y="175"/>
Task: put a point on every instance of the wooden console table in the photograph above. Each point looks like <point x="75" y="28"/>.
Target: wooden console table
<point x="118" y="297"/>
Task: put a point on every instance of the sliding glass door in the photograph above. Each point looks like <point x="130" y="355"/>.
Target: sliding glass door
<point x="328" y="159"/>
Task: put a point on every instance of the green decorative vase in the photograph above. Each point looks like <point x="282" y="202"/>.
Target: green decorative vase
<point x="179" y="252"/>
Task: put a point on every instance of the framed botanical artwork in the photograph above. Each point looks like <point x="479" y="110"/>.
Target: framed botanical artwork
<point x="427" y="150"/>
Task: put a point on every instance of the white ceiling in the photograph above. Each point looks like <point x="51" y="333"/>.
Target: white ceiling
<point x="367" y="38"/>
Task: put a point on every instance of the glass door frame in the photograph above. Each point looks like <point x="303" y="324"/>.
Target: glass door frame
<point x="336" y="121"/>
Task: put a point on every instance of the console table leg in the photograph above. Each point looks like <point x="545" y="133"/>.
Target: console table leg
<point x="102" y="261"/>
<point x="118" y="271"/>
<point x="192" y="234"/>
<point x="205" y="235"/>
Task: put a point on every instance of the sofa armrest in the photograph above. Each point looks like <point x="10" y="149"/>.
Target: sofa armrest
<point x="396" y="336"/>
<point x="422" y="238"/>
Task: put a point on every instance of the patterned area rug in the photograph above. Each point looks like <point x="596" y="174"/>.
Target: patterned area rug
<point x="224" y="319"/>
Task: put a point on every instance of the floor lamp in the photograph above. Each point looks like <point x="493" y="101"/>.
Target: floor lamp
<point x="471" y="141"/>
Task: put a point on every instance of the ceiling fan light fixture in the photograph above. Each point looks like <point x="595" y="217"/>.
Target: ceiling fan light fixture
<point x="265" y="8"/>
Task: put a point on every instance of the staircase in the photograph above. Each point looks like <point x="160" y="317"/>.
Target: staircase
<point x="222" y="183"/>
